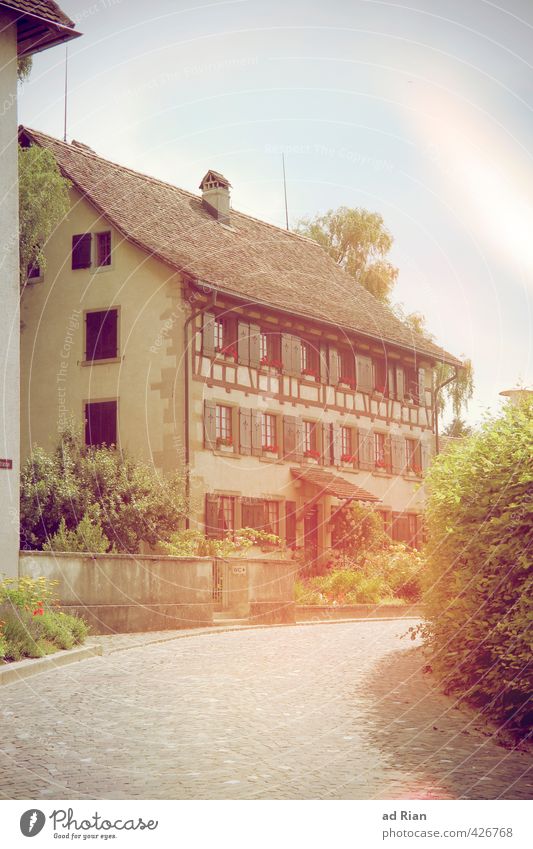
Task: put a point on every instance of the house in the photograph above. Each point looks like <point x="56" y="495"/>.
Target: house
<point x="26" y="26"/>
<point x="191" y="334"/>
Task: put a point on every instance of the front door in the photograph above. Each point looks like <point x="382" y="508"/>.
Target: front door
<point x="311" y="537"/>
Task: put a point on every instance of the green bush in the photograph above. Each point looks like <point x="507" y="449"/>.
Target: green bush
<point x="478" y="580"/>
<point x="86" y="536"/>
<point x="192" y="543"/>
<point x="357" y="529"/>
<point x="30" y="624"/>
<point x="128" y="498"/>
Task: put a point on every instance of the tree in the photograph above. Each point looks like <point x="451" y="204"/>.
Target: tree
<point x="359" y="242"/>
<point x="24" y="67"/>
<point x="478" y="582"/>
<point x="457" y="428"/>
<point x="43" y="203"/>
<point x="127" y="498"/>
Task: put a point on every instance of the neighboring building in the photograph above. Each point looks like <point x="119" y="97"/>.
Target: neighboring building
<point x="26" y="26"/>
<point x="185" y="331"/>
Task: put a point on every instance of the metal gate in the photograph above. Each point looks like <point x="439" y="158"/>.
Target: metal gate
<point x="220" y="584"/>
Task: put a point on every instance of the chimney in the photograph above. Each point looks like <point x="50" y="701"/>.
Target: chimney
<point x="215" y="196"/>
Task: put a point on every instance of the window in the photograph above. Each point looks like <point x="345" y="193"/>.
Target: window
<point x="103" y="248"/>
<point x="226" y="513"/>
<point x="272" y="518"/>
<point x="81" y="251"/>
<point x="101" y="335"/>
<point x="413" y="456"/>
<point x="219" y="515"/>
<point x="223" y="429"/>
<point x="346" y="445"/>
<point x="380" y="376"/>
<point x="411" y="385"/>
<point x="263" y="346"/>
<point x="309" y="360"/>
<point x="101" y="423"/>
<point x="380" y="458"/>
<point x="219" y="334"/>
<point x="405" y="528"/>
<point x="290" y="524"/>
<point x="310" y="439"/>
<point x="268" y="432"/>
<point x="347" y="367"/>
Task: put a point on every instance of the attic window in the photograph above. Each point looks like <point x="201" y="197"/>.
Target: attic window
<point x="103" y="248"/>
<point x="81" y="251"/>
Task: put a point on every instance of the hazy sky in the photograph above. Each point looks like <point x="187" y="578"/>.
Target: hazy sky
<point x="419" y="110"/>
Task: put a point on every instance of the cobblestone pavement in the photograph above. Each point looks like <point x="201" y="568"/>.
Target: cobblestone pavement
<point x="324" y="711"/>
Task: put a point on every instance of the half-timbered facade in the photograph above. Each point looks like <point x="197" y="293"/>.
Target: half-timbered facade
<point x="209" y="338"/>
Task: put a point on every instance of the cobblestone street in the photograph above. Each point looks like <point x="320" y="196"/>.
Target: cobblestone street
<point x="324" y="711"/>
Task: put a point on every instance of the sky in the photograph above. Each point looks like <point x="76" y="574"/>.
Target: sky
<point x="421" y="111"/>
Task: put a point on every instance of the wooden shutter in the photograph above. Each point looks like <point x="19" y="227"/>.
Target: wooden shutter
<point x="398" y="454"/>
<point x="290" y="523"/>
<point x="391" y="382"/>
<point x="388" y="452"/>
<point x="299" y="451"/>
<point x="243" y="342"/>
<point x="211" y="516"/>
<point x="247" y="512"/>
<point x="422" y="387"/>
<point x="289" y="436"/>
<point x="333" y="366"/>
<point x="230" y="331"/>
<point x="81" y="251"/>
<point x="364" y="377"/>
<point x="321" y="442"/>
<point x="210" y="426"/>
<point x="255" y="345"/>
<point x="366" y="449"/>
<point x="256" y="433"/>
<point x="286" y="352"/>
<point x="208" y="335"/>
<point x="426" y="450"/>
<point x="245" y="431"/>
<point x="260" y="515"/>
<point x="296" y="356"/>
<point x="323" y="357"/>
<point x="400" y="383"/>
<point x="335" y="445"/>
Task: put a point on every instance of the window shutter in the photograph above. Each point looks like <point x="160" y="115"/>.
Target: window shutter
<point x="335" y="444"/>
<point x="391" y="383"/>
<point x="230" y="331"/>
<point x="256" y="433"/>
<point x="321" y="443"/>
<point x="366" y="449"/>
<point x="296" y="356"/>
<point x="289" y="436"/>
<point x="81" y="251"/>
<point x="211" y="516"/>
<point x="286" y="352"/>
<point x="243" y="342"/>
<point x="290" y="523"/>
<point x="323" y="355"/>
<point x="245" y="431"/>
<point x="255" y="345"/>
<point x="422" y="387"/>
<point x="247" y="512"/>
<point x="299" y="450"/>
<point x="400" y="383"/>
<point x="333" y="363"/>
<point x="259" y="510"/>
<point x="418" y="454"/>
<point x="365" y="382"/>
<point x="208" y="335"/>
<point x="388" y="452"/>
<point x="210" y="427"/>
<point x="426" y="450"/>
<point x="398" y="454"/>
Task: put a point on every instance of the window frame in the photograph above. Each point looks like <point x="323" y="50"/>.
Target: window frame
<point x="96" y="264"/>
<point x="224" y="425"/>
<point x="101" y="360"/>
<point x="309" y="437"/>
<point x="92" y="402"/>
<point x="269" y="432"/>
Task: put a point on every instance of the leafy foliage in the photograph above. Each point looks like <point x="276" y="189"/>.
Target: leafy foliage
<point x="457" y="428"/>
<point x="192" y="543"/>
<point x="357" y="529"/>
<point x="86" y="536"/>
<point x="24" y="66"/>
<point x="31" y="624"/>
<point x="359" y="242"/>
<point x="478" y="580"/>
<point x="129" y="500"/>
<point x="43" y="203"/>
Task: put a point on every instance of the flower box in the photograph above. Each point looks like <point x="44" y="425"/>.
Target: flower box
<point x="309" y="372"/>
<point x="347" y="381"/>
<point x="348" y="458"/>
<point x="272" y="449"/>
<point x="312" y="455"/>
<point x="224" y="442"/>
<point x="381" y="464"/>
<point x="381" y="390"/>
<point x="416" y="470"/>
<point x="229" y="352"/>
<point x="266" y="361"/>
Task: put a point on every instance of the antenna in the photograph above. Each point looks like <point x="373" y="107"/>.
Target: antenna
<point x="285" y="191"/>
<point x="66" y="91"/>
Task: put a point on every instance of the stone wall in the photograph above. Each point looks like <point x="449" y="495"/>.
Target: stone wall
<point x="119" y="593"/>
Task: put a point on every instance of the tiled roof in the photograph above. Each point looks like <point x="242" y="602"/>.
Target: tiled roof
<point x="250" y="259"/>
<point x="46" y="9"/>
<point x="330" y="484"/>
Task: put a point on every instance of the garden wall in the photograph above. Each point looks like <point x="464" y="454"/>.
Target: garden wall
<point x="119" y="593"/>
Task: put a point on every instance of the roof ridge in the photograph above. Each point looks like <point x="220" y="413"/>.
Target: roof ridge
<point x="157" y="181"/>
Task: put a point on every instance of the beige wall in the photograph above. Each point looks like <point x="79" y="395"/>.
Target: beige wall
<point x="9" y="296"/>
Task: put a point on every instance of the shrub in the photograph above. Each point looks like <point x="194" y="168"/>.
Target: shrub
<point x="478" y="580"/>
<point x="128" y="498"/>
<point x="357" y="530"/>
<point x="86" y="536"/>
<point x="193" y="543"/>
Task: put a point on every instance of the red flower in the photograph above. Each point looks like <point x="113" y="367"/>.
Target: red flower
<point x="347" y="458"/>
<point x="312" y="453"/>
<point x="349" y="381"/>
<point x="272" y="448"/>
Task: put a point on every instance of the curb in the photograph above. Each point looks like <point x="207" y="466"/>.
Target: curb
<point x="13" y="672"/>
<point x="221" y="629"/>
